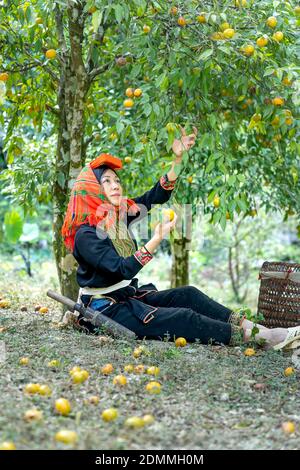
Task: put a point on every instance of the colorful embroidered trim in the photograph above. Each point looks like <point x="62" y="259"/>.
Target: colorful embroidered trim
<point x="143" y="257"/>
<point x="166" y="184"/>
<point x="237" y="335"/>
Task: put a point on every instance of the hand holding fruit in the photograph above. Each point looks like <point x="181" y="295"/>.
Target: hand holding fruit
<point x="166" y="226"/>
<point x="185" y="143"/>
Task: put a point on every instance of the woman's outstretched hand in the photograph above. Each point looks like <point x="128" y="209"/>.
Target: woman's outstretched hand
<point x="184" y="143"/>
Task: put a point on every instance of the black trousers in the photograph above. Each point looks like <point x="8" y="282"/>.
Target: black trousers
<point x="179" y="312"/>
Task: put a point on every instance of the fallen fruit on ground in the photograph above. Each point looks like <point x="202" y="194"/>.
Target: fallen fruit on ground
<point x="109" y="414"/>
<point x="288" y="427"/>
<point x="63" y="406"/>
<point x="148" y="419"/>
<point x="249" y="352"/>
<point x="7" y="445"/>
<point x="33" y="415"/>
<point x="120" y="380"/>
<point x="107" y="369"/>
<point x="66" y="436"/>
<point x="289" y="371"/>
<point x="153" y="387"/>
<point x="134" y="422"/>
<point x="24" y="361"/>
<point x="180" y="342"/>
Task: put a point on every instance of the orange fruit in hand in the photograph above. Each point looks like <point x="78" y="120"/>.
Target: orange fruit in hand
<point x="168" y="214"/>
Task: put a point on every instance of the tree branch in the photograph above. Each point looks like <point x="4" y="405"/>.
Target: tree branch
<point x="100" y="70"/>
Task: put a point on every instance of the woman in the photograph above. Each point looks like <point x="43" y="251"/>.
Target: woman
<point x="97" y="230"/>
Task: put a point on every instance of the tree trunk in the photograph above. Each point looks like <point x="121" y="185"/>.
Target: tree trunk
<point x="180" y="263"/>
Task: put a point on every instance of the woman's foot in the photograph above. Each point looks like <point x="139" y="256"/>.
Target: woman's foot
<point x="271" y="337"/>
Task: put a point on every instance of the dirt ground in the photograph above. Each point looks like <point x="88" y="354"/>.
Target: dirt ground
<point x="209" y="394"/>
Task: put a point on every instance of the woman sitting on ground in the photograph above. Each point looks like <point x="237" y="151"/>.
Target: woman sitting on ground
<point x="97" y="231"/>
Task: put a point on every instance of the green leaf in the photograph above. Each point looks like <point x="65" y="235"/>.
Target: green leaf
<point x="206" y="54"/>
<point x="119" y="13"/>
<point x="96" y="19"/>
<point x="13" y="225"/>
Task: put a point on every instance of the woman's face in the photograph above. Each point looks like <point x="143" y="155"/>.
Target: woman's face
<point x="112" y="188"/>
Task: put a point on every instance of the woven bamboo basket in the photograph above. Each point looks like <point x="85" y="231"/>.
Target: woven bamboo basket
<point x="279" y="294"/>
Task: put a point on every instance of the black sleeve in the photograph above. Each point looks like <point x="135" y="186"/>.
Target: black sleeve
<point x="159" y="194"/>
<point x="99" y="254"/>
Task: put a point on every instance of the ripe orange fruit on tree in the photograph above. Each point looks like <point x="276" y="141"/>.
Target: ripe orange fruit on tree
<point x="216" y="201"/>
<point x="66" y="436"/>
<point x="153" y="388"/>
<point x="39" y="20"/>
<point x="227" y="215"/>
<point x="50" y="54"/>
<point x="201" y="18"/>
<point x="127" y="159"/>
<point x="241" y="3"/>
<point x="120" y="380"/>
<point x="174" y="11"/>
<point x="289" y="371"/>
<point x="63" y="406"/>
<point x="275" y="121"/>
<point x="286" y="81"/>
<point x="180" y="342"/>
<point x="224" y="26"/>
<point x="137" y="92"/>
<point x="4" y="76"/>
<point x="229" y="33"/>
<point x="248" y="50"/>
<point x="109" y="414"/>
<point x="181" y="21"/>
<point x="146" y="29"/>
<point x="190" y="179"/>
<point x="107" y="369"/>
<point x="288" y="427"/>
<point x="289" y="121"/>
<point x="129" y="92"/>
<point x="297" y="10"/>
<point x="168" y="214"/>
<point x="128" y="103"/>
<point x="92" y="10"/>
<point x="278" y="36"/>
<point x="262" y="41"/>
<point x="278" y="101"/>
<point x="253" y="212"/>
<point x="271" y="21"/>
<point x="249" y="352"/>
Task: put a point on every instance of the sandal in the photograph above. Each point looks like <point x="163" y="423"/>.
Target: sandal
<point x="293" y="335"/>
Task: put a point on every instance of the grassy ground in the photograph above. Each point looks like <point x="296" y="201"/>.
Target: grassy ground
<point x="208" y="400"/>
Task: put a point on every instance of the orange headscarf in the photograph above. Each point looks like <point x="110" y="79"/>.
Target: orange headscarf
<point x="89" y="204"/>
